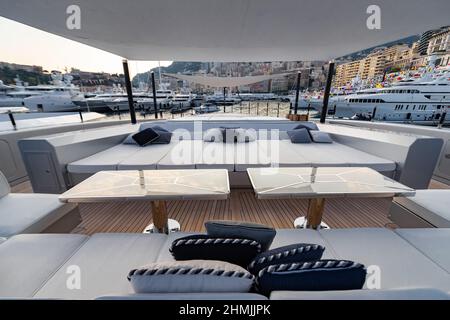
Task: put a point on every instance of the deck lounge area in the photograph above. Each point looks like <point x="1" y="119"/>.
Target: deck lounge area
<point x="134" y="216"/>
<point x="79" y="228"/>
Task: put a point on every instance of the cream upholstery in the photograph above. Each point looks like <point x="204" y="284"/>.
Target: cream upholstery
<point x="105" y="160"/>
<point x="430" y="205"/>
<point x="30" y="213"/>
<point x="431" y="242"/>
<point x="395" y="294"/>
<point x="106" y="259"/>
<point x="28" y="261"/>
<point x="146" y="158"/>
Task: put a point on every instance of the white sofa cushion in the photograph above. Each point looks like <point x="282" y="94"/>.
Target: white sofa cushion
<point x="108" y="159"/>
<point x="431" y="205"/>
<point x="229" y="296"/>
<point x="400" y="264"/>
<point x="286" y="237"/>
<point x="197" y="276"/>
<point x="251" y="155"/>
<point x="105" y="261"/>
<point x="282" y="155"/>
<point x="434" y="243"/>
<point x="185" y="155"/>
<point x="4" y="186"/>
<point x="28" y="261"/>
<point x="146" y="158"/>
<point x="217" y="155"/>
<point x="339" y="155"/>
<point x="393" y="294"/>
<point x="30" y="213"/>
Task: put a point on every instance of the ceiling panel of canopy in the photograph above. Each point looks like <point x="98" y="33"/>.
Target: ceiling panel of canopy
<point x="234" y="30"/>
<point x="220" y="82"/>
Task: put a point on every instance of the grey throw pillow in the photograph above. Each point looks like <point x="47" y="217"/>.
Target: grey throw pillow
<point x="299" y="136"/>
<point x="129" y="139"/>
<point x="164" y="137"/>
<point x="308" y="126"/>
<point x="245" y="230"/>
<point x="193" y="276"/>
<point x="320" y="137"/>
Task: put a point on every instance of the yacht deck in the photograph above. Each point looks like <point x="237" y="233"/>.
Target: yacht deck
<point x="134" y="216"/>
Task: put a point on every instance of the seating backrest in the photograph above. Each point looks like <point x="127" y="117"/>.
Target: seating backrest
<point x="4" y="186"/>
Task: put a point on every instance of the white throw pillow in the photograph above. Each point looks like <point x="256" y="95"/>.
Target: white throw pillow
<point x="244" y="135"/>
<point x="213" y="135"/>
<point x="194" y="276"/>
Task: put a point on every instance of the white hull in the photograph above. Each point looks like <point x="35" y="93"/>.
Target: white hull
<point x="11" y="102"/>
<point x="50" y="103"/>
<point x="411" y="102"/>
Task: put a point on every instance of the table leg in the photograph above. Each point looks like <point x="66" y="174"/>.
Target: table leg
<point x="313" y="219"/>
<point x="315" y="213"/>
<point x="160" y="216"/>
<point x="161" y="223"/>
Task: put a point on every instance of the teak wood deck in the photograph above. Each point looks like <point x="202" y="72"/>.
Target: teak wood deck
<point x="242" y="205"/>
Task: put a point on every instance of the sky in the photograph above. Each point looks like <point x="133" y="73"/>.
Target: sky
<point x="22" y="44"/>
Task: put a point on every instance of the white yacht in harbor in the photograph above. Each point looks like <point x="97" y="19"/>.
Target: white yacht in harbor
<point x="56" y="97"/>
<point x="13" y="96"/>
<point x="117" y="100"/>
<point x="219" y="99"/>
<point x="420" y="101"/>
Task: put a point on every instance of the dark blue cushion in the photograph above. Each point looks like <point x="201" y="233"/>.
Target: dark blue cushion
<point x="299" y="136"/>
<point x="320" y="137"/>
<point x="202" y="247"/>
<point x="308" y="126"/>
<point x="323" y="275"/>
<point x="239" y="229"/>
<point x="295" y="253"/>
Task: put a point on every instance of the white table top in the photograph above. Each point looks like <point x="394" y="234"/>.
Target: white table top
<point x="352" y="182"/>
<point x="151" y="185"/>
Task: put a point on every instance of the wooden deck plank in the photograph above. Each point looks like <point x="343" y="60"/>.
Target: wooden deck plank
<point x="242" y="205"/>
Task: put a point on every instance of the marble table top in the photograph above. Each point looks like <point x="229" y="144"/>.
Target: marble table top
<point x="325" y="182"/>
<point x="151" y="185"/>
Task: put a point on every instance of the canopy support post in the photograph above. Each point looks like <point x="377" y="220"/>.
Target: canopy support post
<point x="129" y="91"/>
<point x="224" y="99"/>
<point x="326" y="97"/>
<point x="154" y="95"/>
<point x="297" y="92"/>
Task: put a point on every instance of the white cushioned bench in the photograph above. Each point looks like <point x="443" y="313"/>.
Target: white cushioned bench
<point x="106" y="259"/>
<point x="34" y="213"/>
<point x="105" y="160"/>
<point x="434" y="243"/>
<point x="427" y="208"/>
<point x="197" y="154"/>
<point x="29" y="261"/>
<point x="146" y="158"/>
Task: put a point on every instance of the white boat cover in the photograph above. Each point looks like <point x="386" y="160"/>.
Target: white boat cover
<point x="238" y="30"/>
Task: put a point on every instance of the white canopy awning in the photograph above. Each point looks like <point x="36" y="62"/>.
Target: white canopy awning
<point x="228" y="82"/>
<point x="233" y="30"/>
